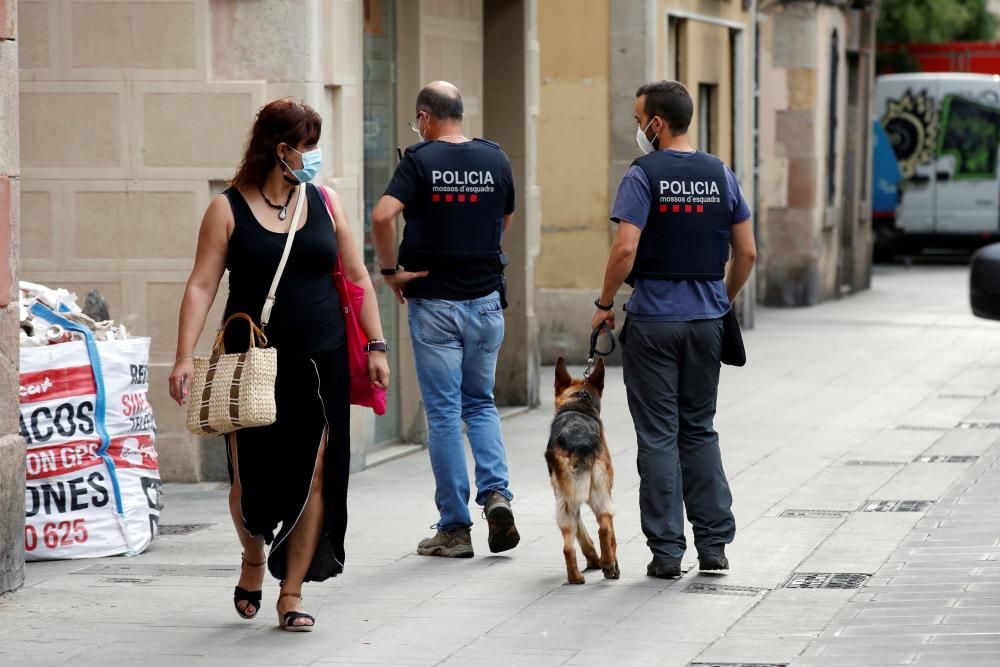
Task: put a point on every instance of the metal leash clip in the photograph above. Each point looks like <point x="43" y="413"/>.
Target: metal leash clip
<point x="594" y="352"/>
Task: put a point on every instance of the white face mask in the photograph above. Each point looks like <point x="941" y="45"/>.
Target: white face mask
<point x="645" y="145"/>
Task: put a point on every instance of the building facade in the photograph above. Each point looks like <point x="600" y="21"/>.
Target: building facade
<point x="594" y="55"/>
<point x="776" y="86"/>
<point x="11" y="443"/>
<point x="135" y="113"/>
<point x="816" y="100"/>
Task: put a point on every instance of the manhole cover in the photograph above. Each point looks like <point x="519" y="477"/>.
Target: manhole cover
<point x="896" y="505"/>
<point x="722" y="589"/>
<point x="812" y="514"/>
<point x="827" y="580"/>
<point x="979" y="425"/>
<point x="939" y="458"/>
<point x="160" y="570"/>
<point x="873" y="463"/>
<point x="125" y="580"/>
<point x="917" y="427"/>
<point x="180" y="528"/>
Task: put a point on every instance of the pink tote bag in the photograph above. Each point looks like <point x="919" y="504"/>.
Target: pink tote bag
<point x="352" y="297"/>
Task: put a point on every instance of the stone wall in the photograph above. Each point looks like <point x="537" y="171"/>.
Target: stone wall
<point x="814" y="240"/>
<point x="574" y="142"/>
<point x="11" y="444"/>
<point x="136" y="112"/>
<point x="134" y="115"/>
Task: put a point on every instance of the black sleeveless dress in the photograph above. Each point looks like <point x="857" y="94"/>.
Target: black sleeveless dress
<point x="276" y="463"/>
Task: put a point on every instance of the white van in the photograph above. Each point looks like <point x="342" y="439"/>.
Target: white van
<point x="945" y="132"/>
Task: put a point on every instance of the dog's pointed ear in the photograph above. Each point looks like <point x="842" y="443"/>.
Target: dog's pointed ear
<point x="596" y="379"/>
<point x="563" y="378"/>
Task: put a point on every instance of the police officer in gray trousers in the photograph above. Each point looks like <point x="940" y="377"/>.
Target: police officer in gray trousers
<point x="680" y="211"/>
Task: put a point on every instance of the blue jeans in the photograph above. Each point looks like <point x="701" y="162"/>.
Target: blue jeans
<point x="455" y="347"/>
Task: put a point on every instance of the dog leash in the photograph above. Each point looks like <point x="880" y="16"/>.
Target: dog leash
<point x="594" y="352"/>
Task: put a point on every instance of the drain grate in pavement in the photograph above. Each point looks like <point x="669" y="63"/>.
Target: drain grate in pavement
<point x="812" y="514"/>
<point x="737" y="664"/>
<point x="125" y="580"/>
<point x="179" y="528"/>
<point x="896" y="505"/>
<point x="841" y="580"/>
<point x="722" y="589"/>
<point x="159" y="570"/>
<point x="940" y="458"/>
<point x="917" y="427"/>
<point x="962" y="396"/>
<point x="872" y="463"/>
<point x="979" y="425"/>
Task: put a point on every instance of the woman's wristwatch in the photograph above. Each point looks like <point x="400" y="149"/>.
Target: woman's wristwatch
<point x="377" y="345"/>
<point x="390" y="271"/>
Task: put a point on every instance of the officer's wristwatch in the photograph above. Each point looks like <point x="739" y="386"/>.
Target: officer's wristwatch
<point x="390" y="271"/>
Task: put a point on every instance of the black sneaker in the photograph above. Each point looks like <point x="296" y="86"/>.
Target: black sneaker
<point x="499" y="516"/>
<point x="713" y="561"/>
<point x="663" y="568"/>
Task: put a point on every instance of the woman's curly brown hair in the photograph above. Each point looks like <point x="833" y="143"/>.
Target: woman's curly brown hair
<point x="286" y="121"/>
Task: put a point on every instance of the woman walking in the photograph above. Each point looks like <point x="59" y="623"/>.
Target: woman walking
<point x="289" y="479"/>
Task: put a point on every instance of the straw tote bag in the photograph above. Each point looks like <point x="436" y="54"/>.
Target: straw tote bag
<point x="234" y="391"/>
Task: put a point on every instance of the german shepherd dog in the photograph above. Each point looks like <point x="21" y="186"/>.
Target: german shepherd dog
<point x="581" y="472"/>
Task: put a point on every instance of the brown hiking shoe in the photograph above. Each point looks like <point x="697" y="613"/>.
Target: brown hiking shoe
<point x="503" y="532"/>
<point x="456" y="543"/>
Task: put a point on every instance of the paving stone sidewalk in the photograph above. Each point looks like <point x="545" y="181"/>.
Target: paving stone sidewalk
<point x="862" y="448"/>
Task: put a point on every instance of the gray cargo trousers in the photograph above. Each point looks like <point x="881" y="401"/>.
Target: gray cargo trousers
<point x="672" y="381"/>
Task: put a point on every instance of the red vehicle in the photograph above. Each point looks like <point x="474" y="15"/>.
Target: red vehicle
<point x="971" y="57"/>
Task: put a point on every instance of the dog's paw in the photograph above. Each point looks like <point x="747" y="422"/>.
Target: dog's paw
<point x="612" y="571"/>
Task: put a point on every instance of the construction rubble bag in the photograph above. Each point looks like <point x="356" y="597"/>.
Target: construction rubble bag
<point x="93" y="483"/>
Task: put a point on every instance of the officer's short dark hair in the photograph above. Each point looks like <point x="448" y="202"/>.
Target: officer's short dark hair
<point x="440" y="106"/>
<point x="669" y="100"/>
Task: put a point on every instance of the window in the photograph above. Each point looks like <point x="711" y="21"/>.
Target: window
<point x="706" y="116"/>
<point x="674" y="67"/>
<point x="831" y="147"/>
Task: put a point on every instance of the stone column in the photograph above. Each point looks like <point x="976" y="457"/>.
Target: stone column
<point x="510" y="104"/>
<point x="11" y="444"/>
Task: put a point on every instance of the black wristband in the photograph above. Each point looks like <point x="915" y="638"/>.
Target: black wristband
<point x="389" y="272"/>
<point x="601" y="306"/>
<point x="377" y="345"/>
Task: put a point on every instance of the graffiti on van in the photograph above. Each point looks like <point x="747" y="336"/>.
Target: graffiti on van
<point x="911" y="122"/>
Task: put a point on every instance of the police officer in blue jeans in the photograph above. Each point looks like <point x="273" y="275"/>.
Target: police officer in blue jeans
<point x="457" y="196"/>
<point x="682" y="211"/>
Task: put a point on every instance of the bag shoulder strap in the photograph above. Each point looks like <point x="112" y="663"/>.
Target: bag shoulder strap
<point x="265" y="315"/>
<point x="329" y="210"/>
<point x="329" y="206"/>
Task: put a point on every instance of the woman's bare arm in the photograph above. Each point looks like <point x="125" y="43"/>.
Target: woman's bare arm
<point x="202" y="286"/>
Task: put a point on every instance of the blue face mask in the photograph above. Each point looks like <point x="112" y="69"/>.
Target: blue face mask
<point x="311" y="162"/>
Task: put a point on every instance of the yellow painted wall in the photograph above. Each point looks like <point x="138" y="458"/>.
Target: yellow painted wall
<point x="573" y="142"/>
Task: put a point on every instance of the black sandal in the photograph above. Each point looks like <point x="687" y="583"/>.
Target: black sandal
<point x="251" y="597"/>
<point x="287" y="622"/>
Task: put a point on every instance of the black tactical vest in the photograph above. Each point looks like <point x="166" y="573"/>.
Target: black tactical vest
<point x="454" y="228"/>
<point x="686" y="236"/>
